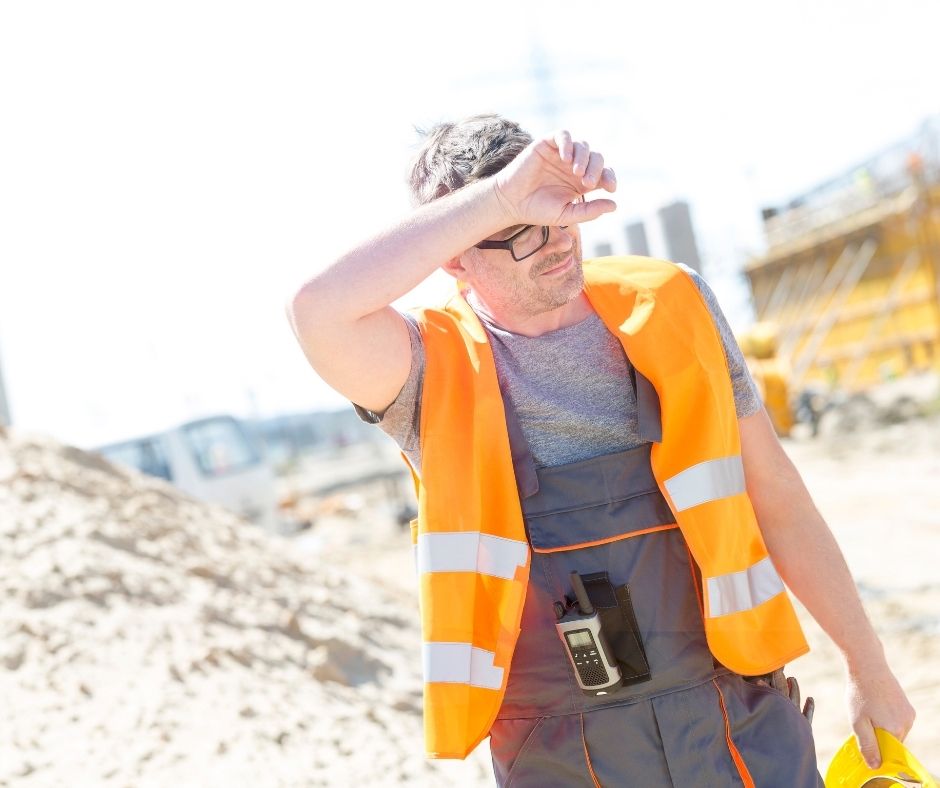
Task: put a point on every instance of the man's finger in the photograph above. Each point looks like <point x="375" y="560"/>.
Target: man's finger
<point x="561" y="140"/>
<point x="582" y="152"/>
<point x="586" y="211"/>
<point x="868" y="744"/>
<point x="594" y="170"/>
<point x="608" y="180"/>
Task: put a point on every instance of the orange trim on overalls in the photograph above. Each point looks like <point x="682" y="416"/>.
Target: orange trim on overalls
<point x="587" y="756"/>
<point x="597" y="542"/>
<point x="739" y="763"/>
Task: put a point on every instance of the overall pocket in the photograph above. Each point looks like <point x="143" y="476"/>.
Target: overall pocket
<point x="618" y="622"/>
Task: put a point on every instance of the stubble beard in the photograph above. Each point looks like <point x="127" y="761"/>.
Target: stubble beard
<point x="548" y="294"/>
<point x="532" y="294"/>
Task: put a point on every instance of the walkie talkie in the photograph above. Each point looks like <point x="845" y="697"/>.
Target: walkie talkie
<point x="579" y="628"/>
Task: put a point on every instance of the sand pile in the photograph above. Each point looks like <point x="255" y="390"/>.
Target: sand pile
<point x="150" y="639"/>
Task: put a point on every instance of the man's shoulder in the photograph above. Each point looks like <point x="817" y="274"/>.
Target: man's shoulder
<point x="628" y="259"/>
<point x="611" y="277"/>
<point x="630" y="263"/>
<point x="452" y="313"/>
<point x="643" y="272"/>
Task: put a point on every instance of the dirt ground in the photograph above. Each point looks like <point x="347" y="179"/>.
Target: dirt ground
<point x="148" y="639"/>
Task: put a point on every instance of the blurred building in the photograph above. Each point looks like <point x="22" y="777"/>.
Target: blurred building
<point x="636" y="239"/>
<point x="676" y="222"/>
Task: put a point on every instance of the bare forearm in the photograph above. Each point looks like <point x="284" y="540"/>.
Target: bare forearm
<point x="812" y="565"/>
<point x="388" y="265"/>
<point x="807" y="555"/>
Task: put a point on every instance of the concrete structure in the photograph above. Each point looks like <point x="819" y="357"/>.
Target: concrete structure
<point x="676" y="221"/>
<point x="636" y="239"/>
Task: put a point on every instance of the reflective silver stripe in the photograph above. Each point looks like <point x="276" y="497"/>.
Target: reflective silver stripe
<point x="707" y="481"/>
<point x="737" y="591"/>
<point x="461" y="663"/>
<point x="471" y="551"/>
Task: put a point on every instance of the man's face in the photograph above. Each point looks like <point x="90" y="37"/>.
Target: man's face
<point x="546" y="280"/>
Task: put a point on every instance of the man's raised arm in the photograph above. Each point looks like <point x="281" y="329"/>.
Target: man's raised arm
<point x="341" y="317"/>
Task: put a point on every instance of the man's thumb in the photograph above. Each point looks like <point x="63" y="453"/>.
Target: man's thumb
<point x="592" y="209"/>
<point x="868" y="745"/>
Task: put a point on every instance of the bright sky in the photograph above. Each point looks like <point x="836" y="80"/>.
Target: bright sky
<point x="170" y="172"/>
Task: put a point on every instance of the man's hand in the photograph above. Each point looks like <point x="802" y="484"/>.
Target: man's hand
<point x="541" y="184"/>
<point x="876" y="700"/>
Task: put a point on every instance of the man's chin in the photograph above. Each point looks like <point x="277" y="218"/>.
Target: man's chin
<point x="566" y="289"/>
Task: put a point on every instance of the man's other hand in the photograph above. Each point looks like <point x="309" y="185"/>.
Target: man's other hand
<point x="876" y="700"/>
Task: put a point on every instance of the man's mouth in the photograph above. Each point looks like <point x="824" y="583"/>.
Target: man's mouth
<point x="559" y="267"/>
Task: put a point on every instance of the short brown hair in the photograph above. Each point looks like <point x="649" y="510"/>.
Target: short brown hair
<point x="454" y="155"/>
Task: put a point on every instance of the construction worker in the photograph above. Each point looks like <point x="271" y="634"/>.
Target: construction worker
<point x="591" y="417"/>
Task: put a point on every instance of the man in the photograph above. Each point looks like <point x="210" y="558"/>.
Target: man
<point x="588" y="417"/>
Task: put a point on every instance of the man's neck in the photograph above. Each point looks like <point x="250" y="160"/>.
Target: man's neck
<point x="569" y="314"/>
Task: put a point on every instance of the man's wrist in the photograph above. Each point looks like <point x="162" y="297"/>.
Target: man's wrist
<point x="507" y="213"/>
<point x="865" y="657"/>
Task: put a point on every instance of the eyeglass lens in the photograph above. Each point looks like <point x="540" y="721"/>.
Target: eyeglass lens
<point x="530" y="241"/>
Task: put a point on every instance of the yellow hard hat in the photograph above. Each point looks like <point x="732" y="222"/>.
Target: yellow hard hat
<point x="898" y="767"/>
<point x="764" y="337"/>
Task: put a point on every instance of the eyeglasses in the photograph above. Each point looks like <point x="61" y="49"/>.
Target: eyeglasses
<point x="522" y="244"/>
<point x="525" y="242"/>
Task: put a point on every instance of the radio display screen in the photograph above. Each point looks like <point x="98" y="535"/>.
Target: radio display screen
<point x="580" y="638"/>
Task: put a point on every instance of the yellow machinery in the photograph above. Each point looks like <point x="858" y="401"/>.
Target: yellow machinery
<point x="771" y="373"/>
<point x="851" y="275"/>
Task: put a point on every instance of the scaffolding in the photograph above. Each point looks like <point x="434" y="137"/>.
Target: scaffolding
<point x="852" y="270"/>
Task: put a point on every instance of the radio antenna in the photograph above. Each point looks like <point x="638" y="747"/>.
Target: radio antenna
<point x="580" y="593"/>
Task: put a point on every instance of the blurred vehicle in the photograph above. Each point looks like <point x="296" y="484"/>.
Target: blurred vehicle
<point x="214" y="459"/>
<point x="850" y="281"/>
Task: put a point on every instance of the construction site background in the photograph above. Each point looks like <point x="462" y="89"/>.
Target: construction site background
<point x="847" y="297"/>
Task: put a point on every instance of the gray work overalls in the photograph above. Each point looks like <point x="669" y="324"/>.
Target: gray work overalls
<point x="670" y="730"/>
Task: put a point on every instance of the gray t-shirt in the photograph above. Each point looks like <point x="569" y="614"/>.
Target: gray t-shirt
<point x="570" y="388"/>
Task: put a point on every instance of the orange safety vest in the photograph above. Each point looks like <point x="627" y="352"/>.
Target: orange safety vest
<point x="471" y="546"/>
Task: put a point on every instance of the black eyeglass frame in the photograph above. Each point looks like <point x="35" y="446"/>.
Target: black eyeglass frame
<point x="506" y="244"/>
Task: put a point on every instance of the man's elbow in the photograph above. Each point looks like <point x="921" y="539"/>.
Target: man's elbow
<point x="302" y="308"/>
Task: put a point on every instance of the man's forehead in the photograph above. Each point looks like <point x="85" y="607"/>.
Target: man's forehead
<point x="511" y="230"/>
<point x="502" y="235"/>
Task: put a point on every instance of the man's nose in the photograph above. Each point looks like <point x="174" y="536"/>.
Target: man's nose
<point x="561" y="237"/>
